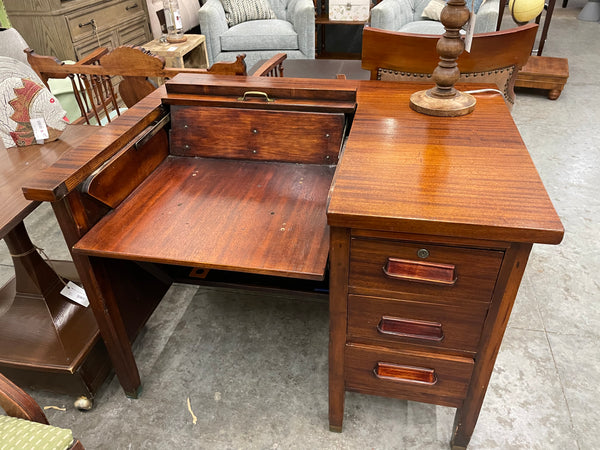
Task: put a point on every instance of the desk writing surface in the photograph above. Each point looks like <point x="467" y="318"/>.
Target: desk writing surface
<point x="249" y="216"/>
<point x="467" y="176"/>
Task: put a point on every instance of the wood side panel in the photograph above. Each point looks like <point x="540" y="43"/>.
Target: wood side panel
<point x="75" y="166"/>
<point x="287" y="136"/>
<point x="127" y="170"/>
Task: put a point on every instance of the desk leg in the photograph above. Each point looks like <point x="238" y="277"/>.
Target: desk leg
<point x="338" y="296"/>
<point x="505" y="293"/>
<point x="96" y="281"/>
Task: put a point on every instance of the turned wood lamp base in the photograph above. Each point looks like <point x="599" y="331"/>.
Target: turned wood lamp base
<point x="426" y="102"/>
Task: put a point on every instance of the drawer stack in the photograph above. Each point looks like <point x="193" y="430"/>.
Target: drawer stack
<point x="415" y="316"/>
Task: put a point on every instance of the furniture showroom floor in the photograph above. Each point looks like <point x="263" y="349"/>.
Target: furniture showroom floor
<point x="255" y="367"/>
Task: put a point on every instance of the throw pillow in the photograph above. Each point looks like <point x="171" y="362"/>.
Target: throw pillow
<point x="238" y="11"/>
<point x="433" y="10"/>
<point x="23" y="97"/>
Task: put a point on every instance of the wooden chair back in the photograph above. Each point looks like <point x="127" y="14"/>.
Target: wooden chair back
<point x="128" y="70"/>
<point x="495" y="57"/>
<point x="271" y="68"/>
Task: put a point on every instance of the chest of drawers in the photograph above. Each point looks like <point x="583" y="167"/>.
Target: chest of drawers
<point x="69" y="30"/>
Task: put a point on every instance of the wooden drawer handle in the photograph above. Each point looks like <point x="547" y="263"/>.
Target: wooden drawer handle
<point x="420" y="271"/>
<point x="418" y="329"/>
<point x="410" y="374"/>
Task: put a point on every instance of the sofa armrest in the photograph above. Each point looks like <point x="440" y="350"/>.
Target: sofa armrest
<point x="301" y="13"/>
<point x="213" y="24"/>
<point x="392" y="14"/>
<point x="487" y="17"/>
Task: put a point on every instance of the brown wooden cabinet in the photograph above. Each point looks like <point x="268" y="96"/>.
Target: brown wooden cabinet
<point x="70" y="29"/>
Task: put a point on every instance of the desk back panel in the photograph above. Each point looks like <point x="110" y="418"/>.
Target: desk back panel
<point x="285" y="136"/>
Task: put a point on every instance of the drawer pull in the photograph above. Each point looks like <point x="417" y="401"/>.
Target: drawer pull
<point x="410" y="374"/>
<point x="127" y="8"/>
<point x="420" y="271"/>
<point x="418" y="329"/>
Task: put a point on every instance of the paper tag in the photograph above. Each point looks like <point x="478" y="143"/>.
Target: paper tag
<point x="172" y="49"/>
<point x="40" y="131"/>
<point x="470" y="31"/>
<point x="75" y="293"/>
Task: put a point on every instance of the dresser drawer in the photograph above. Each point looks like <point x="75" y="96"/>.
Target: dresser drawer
<point x="442" y="273"/>
<point x="80" y="23"/>
<point x="422" y="377"/>
<point x="394" y="322"/>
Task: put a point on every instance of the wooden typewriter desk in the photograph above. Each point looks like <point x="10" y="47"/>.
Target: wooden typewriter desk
<point x="431" y="221"/>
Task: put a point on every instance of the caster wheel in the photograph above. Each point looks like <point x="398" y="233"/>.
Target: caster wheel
<point x="83" y="403"/>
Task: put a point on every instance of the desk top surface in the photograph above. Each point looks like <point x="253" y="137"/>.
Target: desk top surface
<point x="20" y="165"/>
<point x="402" y="171"/>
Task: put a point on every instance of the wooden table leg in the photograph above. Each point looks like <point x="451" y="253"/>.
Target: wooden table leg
<point x="46" y="340"/>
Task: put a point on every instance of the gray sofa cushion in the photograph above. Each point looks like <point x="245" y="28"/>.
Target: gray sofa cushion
<point x="423" y="27"/>
<point x="260" y="35"/>
<point x="238" y="11"/>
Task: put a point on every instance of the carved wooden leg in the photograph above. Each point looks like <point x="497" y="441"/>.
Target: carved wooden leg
<point x="553" y="94"/>
<point x="507" y="286"/>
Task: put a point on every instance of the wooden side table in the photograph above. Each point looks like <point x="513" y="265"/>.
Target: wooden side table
<point x="544" y="72"/>
<point x="191" y="53"/>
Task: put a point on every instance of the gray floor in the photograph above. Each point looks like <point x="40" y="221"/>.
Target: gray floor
<point x="255" y="367"/>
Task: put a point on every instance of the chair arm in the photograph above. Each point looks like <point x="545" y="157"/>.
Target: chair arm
<point x="17" y="403"/>
<point x="487" y="17"/>
<point x="392" y="14"/>
<point x="213" y="24"/>
<point x="301" y="13"/>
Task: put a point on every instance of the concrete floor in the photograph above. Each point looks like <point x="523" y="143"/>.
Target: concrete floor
<point x="255" y="367"/>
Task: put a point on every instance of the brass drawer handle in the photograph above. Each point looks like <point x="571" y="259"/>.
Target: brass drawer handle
<point x="408" y="374"/>
<point x="420" y="271"/>
<point x="410" y="328"/>
<point x="127" y="8"/>
<point x="255" y="93"/>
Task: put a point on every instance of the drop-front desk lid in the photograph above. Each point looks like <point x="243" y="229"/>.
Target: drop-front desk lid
<point x="241" y="189"/>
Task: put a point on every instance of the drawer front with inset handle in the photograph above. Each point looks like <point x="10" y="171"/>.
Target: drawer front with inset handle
<point x="443" y="274"/>
<point x="394" y="322"/>
<point x="417" y="376"/>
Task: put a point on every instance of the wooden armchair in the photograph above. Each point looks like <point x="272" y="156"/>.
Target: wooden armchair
<point x="127" y="70"/>
<point x="25" y="419"/>
<point x="494" y="58"/>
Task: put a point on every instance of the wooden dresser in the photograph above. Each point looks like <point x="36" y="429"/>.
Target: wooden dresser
<point x="70" y="29"/>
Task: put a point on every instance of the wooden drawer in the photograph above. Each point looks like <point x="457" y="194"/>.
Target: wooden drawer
<point x="79" y="23"/>
<point x="443" y="274"/>
<point x="422" y="377"/>
<point x="393" y="322"/>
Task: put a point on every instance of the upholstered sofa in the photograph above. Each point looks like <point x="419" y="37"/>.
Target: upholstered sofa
<point x="407" y="16"/>
<point x="291" y="31"/>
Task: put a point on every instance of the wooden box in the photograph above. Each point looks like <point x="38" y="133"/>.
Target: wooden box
<point x="349" y="10"/>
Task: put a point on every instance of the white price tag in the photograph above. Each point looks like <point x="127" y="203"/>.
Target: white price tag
<point x="75" y="293"/>
<point x="470" y="32"/>
<point x="40" y="131"/>
<point x="172" y="49"/>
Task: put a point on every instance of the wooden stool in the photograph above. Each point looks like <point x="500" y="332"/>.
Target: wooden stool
<point x="544" y="72"/>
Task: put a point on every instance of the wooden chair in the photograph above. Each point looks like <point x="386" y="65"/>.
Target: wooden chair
<point x="21" y="410"/>
<point x="495" y="57"/>
<point x="272" y="67"/>
<point x="127" y="69"/>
